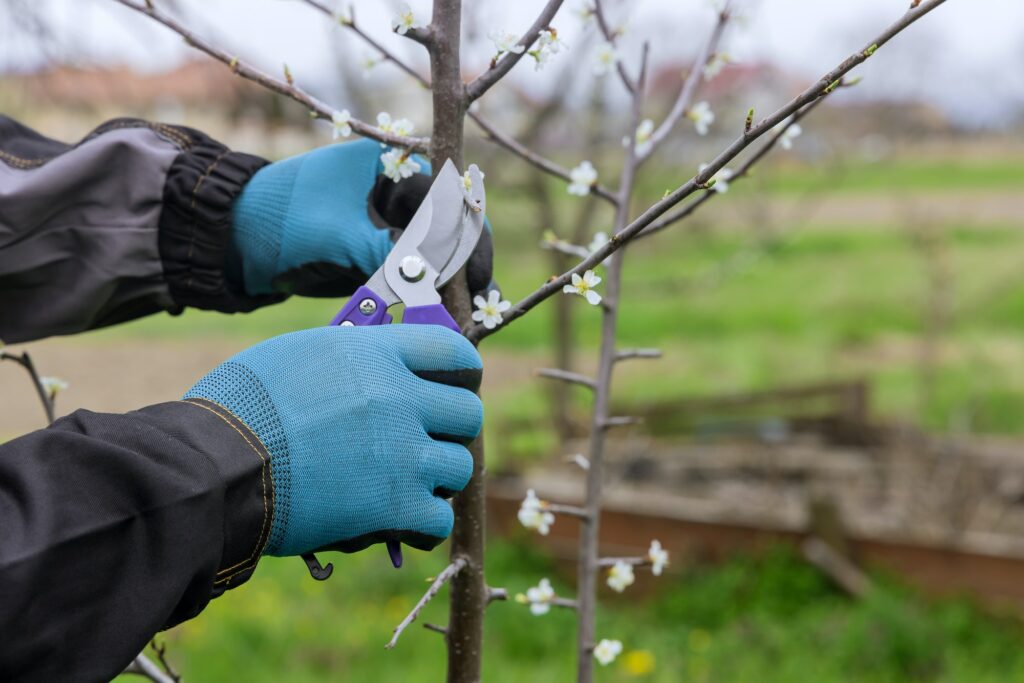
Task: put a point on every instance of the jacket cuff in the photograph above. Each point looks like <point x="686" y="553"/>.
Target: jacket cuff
<point x="195" y="225"/>
<point x="245" y="468"/>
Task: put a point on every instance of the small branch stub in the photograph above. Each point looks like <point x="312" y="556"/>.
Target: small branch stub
<point x="444" y="577"/>
<point x="566" y="376"/>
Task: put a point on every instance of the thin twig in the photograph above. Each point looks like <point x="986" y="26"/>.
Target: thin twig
<point x="689" y="88"/>
<point x="385" y="53"/>
<point x="47" y="399"/>
<point x="570" y="510"/>
<point x="611" y="37"/>
<point x="743" y="171"/>
<point x="566" y="376"/>
<point x="627" y="354"/>
<point x="634" y="561"/>
<point x="161" y="654"/>
<point x="246" y="70"/>
<point x="820" y="88"/>
<point x="496" y="594"/>
<point x="620" y="421"/>
<point x="528" y="155"/>
<point x="443" y="630"/>
<point x="449" y="573"/>
<point x="497" y="71"/>
<point x="143" y="666"/>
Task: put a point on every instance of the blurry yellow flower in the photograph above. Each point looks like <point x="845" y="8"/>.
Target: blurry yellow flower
<point x="638" y="662"/>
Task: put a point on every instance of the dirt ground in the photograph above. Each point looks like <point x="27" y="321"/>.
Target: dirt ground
<point x="124" y="375"/>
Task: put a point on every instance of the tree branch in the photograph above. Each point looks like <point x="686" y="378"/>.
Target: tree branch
<point x="533" y="158"/>
<point x="679" y="214"/>
<point x="497" y="71"/>
<point x="247" y="71"/>
<point x="569" y="510"/>
<point x="566" y="376"/>
<point x="620" y="421"/>
<point x="634" y="561"/>
<point x="449" y="573"/>
<point x="143" y="666"/>
<point x="689" y="89"/>
<point x="626" y="354"/>
<point x="25" y="361"/>
<point x="822" y="87"/>
<point x="385" y="53"/>
<point x="610" y="36"/>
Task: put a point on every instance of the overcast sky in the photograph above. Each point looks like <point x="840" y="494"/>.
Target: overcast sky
<point x="963" y="57"/>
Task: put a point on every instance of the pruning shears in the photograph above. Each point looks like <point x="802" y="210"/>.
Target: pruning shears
<point x="434" y="246"/>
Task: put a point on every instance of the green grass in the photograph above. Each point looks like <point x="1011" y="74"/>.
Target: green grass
<point x="765" y="620"/>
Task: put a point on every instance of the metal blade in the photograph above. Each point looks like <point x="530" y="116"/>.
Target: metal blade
<point x="472" y="227"/>
<point x="442" y="234"/>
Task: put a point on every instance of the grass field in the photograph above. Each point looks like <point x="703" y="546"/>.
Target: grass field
<point x="769" y="620"/>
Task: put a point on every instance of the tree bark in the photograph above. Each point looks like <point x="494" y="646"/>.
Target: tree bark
<point x="468" y="590"/>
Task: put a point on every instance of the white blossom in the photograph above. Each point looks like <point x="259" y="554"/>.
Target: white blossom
<point x="533" y="516"/>
<point x="505" y="42"/>
<point x="702" y="117"/>
<point x="395" y="127"/>
<point x="548" y="40"/>
<point x="715" y="65"/>
<point x="585" y="11"/>
<point x="467" y="180"/>
<point x="721" y="179"/>
<point x="600" y="239"/>
<point x="369" y="62"/>
<point x="642" y="137"/>
<point x="405" y="20"/>
<point x="341" y="123"/>
<point x="489" y="310"/>
<point x="584" y="286"/>
<point x="604" y="58"/>
<point x="399" y="164"/>
<point x="789" y="134"/>
<point x="607" y="650"/>
<point x="53" y="385"/>
<point x="658" y="557"/>
<point x="620" y="576"/>
<point x="548" y="45"/>
<point x="583" y="178"/>
<point x="539" y="597"/>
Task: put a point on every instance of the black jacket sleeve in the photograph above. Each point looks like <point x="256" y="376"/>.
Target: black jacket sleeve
<point x="133" y="219"/>
<point x="115" y="526"/>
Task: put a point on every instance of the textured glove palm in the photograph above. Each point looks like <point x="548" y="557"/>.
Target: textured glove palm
<point x="361" y="425"/>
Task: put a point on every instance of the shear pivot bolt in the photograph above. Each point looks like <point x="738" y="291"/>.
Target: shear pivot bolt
<point x="367" y="306"/>
<point x="412" y="268"/>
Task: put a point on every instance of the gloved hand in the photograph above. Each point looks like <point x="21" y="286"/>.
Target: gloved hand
<point x="364" y="426"/>
<point x="319" y="224"/>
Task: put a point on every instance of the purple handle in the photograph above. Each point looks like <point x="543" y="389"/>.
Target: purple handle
<point x="364" y="308"/>
<point x="431" y="314"/>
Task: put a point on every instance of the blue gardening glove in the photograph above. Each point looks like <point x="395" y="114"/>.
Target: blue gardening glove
<point x="364" y="426"/>
<point x="319" y="224"/>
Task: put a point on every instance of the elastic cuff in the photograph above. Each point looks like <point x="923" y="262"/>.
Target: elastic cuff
<point x="195" y="225"/>
<point x="249" y="506"/>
